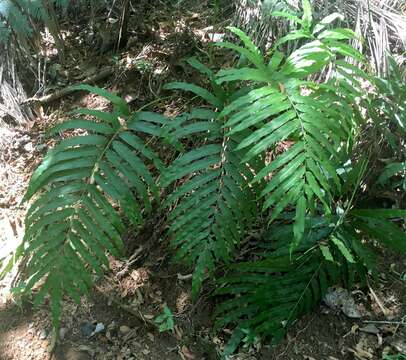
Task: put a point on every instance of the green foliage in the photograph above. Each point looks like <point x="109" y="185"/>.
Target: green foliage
<point x="165" y="320"/>
<point x="215" y="203"/>
<point x="391" y="170"/>
<point x="266" y="295"/>
<point x="388" y="110"/>
<point x="12" y="19"/>
<point x="73" y="221"/>
<point x="227" y="165"/>
<point x="320" y="118"/>
<point x="21" y="19"/>
<point x="394" y="357"/>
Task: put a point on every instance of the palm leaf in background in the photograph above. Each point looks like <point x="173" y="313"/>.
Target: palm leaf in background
<point x="380" y="24"/>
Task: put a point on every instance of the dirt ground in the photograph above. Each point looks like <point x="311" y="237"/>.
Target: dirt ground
<point x="127" y="300"/>
<point x="126" y="306"/>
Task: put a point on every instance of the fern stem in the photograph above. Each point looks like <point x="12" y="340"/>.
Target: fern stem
<point x="303" y="293"/>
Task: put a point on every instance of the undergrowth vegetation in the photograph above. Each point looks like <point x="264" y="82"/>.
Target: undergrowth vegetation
<point x="271" y="150"/>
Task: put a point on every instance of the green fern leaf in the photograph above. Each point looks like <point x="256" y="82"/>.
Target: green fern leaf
<point x="263" y="297"/>
<point x="214" y="202"/>
<point x="73" y="222"/>
<point x="318" y="122"/>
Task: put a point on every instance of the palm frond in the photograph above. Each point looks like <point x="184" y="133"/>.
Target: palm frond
<point x="264" y="296"/>
<point x="380" y="25"/>
<point x="318" y="118"/>
<point x="214" y="204"/>
<point x="74" y="219"/>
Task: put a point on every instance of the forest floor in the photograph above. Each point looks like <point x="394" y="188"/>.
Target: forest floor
<point x="127" y="300"/>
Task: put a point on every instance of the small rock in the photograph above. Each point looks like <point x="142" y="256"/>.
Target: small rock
<point x="124" y="329"/>
<point x="99" y="328"/>
<point x="28" y="147"/>
<point x="339" y="298"/>
<point x="87" y="329"/>
<point x="43" y="335"/>
<point x="62" y="333"/>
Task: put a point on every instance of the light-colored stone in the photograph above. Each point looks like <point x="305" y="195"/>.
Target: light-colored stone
<point x="124" y="329"/>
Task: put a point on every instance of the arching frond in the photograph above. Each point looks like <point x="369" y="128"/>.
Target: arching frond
<point x="318" y="119"/>
<point x="214" y="204"/>
<point x="265" y="296"/>
<point x="74" y="219"/>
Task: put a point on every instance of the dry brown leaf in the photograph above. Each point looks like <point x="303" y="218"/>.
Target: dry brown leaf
<point x="178" y="333"/>
<point x="187" y="353"/>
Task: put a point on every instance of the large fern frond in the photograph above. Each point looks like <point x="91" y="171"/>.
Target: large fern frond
<point x="214" y="203"/>
<point x="317" y="118"/>
<point x="266" y="295"/>
<point x="73" y="222"/>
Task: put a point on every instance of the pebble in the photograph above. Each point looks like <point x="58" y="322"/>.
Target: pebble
<point x="62" y="333"/>
<point x="87" y="329"/>
<point x="28" y="147"/>
<point x="124" y="329"/>
<point x="43" y="335"/>
<point x="99" y="328"/>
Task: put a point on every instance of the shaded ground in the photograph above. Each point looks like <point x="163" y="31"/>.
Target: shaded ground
<point x="129" y="298"/>
<point x="126" y="306"/>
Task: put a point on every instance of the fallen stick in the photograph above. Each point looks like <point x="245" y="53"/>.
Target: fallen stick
<point x="384" y="310"/>
<point x="46" y="99"/>
<point x="384" y="322"/>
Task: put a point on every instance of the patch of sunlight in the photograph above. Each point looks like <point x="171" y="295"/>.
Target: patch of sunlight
<point x="11" y="235"/>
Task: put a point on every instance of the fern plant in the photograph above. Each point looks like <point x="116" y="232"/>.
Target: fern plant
<point x="79" y="188"/>
<point x="283" y="105"/>
<point x="267" y="294"/>
<point x="226" y="167"/>
<point x="387" y="109"/>
<point x="215" y="203"/>
<point x="310" y="179"/>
